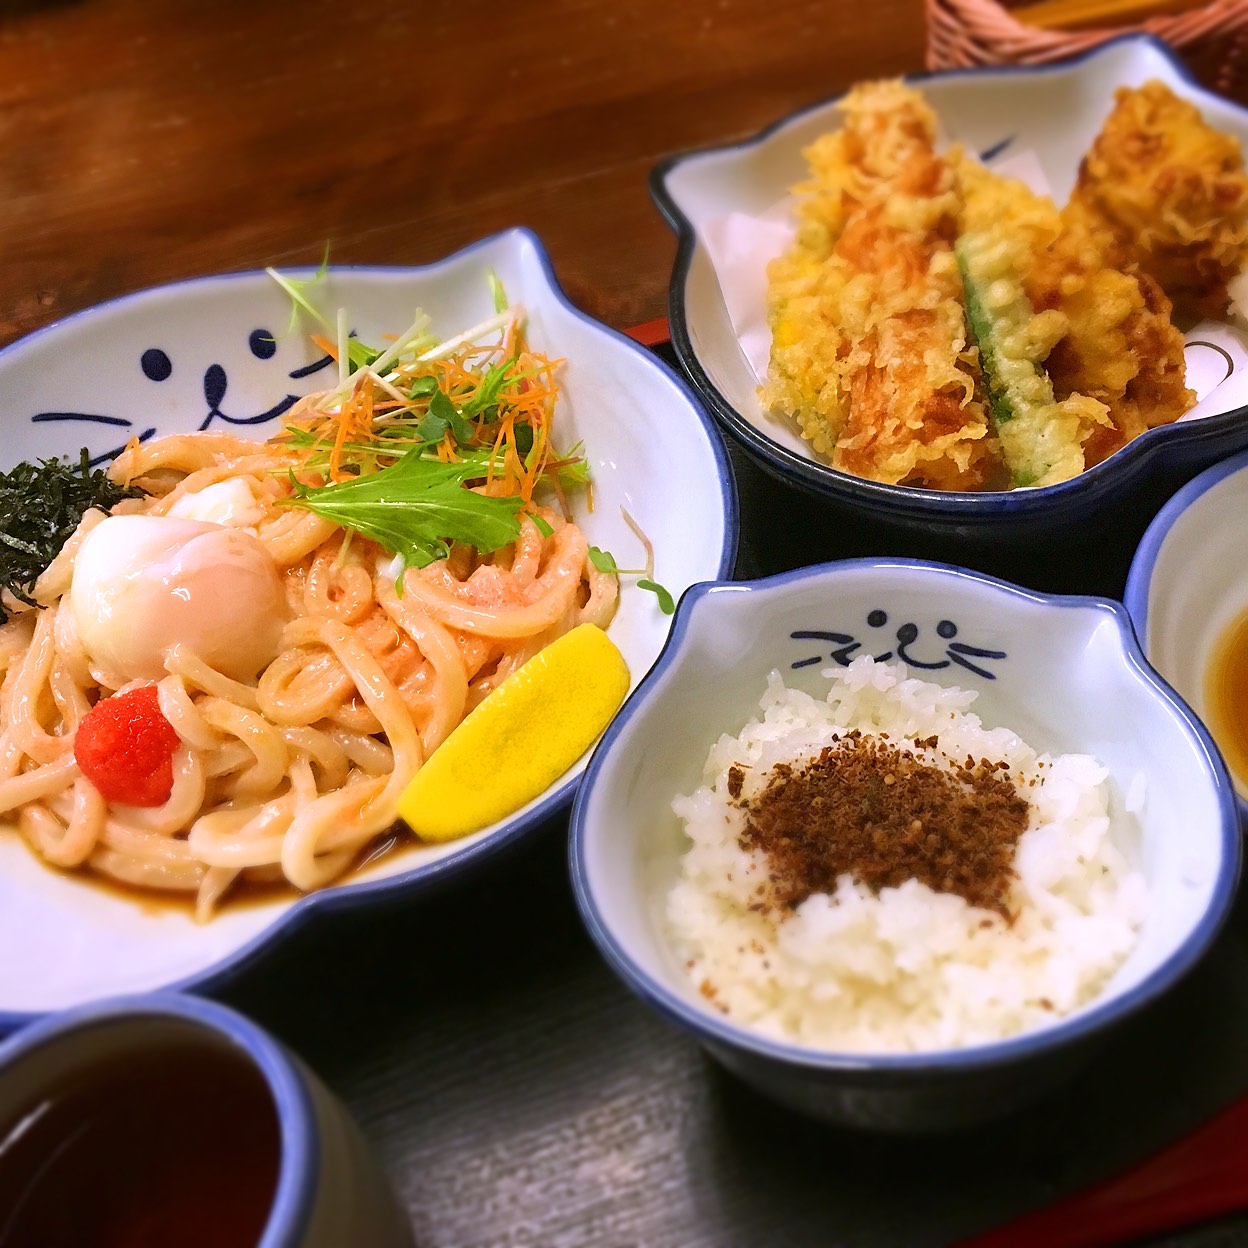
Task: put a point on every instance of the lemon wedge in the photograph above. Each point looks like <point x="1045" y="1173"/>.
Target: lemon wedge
<point x="520" y="738"/>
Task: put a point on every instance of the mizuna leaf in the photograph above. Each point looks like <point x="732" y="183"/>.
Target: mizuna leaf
<point x="416" y="507"/>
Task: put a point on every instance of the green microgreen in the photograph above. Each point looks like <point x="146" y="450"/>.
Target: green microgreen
<point x="416" y="507"/>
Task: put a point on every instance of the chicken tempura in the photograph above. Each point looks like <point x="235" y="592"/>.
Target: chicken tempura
<point x="1173" y="195"/>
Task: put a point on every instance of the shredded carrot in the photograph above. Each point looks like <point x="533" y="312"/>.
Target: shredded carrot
<point x="502" y="389"/>
<point x="330" y="348"/>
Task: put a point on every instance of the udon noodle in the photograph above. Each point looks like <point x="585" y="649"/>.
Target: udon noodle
<point x="295" y="775"/>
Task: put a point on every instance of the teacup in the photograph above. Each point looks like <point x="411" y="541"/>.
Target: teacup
<point x="162" y="1119"/>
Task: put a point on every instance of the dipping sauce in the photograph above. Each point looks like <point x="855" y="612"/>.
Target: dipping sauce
<point x="176" y="1146"/>
<point x="1226" y="697"/>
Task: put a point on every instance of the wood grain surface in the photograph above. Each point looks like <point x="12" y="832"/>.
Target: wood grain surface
<point x="143" y="141"/>
<point x="517" y="1093"/>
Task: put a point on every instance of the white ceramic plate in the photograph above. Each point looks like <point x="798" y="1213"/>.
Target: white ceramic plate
<point x="199" y="354"/>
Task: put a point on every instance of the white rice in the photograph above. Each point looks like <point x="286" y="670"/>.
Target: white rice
<point x="909" y="969"/>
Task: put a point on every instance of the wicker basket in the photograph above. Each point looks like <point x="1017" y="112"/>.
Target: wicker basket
<point x="1212" y="39"/>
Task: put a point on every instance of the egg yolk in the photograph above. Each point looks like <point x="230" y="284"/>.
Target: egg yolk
<point x="144" y="584"/>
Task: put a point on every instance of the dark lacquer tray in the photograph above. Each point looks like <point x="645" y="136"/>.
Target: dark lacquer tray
<point x="520" y="1095"/>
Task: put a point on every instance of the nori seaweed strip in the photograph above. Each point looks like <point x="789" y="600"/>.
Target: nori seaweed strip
<point x="40" y="507"/>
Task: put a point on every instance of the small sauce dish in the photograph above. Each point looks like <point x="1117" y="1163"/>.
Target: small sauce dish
<point x="1187" y="595"/>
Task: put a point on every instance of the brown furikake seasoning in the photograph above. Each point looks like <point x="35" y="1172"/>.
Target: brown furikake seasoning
<point x="885" y="815"/>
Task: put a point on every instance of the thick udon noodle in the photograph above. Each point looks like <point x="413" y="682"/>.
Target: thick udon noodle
<point x="293" y="777"/>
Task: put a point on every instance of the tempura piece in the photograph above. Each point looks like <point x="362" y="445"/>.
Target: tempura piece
<point x="1114" y="359"/>
<point x="1173" y="193"/>
<point x="1003" y="227"/>
<point x="869" y="350"/>
<point x="1122" y="346"/>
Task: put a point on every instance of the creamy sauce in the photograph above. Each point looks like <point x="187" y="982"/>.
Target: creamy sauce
<point x="242" y="893"/>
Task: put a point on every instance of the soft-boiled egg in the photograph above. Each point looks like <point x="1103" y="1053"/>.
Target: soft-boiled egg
<point x="231" y="502"/>
<point x="144" y="584"/>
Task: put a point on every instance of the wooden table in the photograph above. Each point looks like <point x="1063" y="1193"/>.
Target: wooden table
<point x="141" y="142"/>
<point x="518" y="1094"/>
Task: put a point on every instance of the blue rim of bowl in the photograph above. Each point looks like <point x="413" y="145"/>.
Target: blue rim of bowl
<point x="299" y="1171"/>
<point x="349" y="896"/>
<point x="1078" y="1026"/>
<point x="1092" y="487"/>
<point x="1144" y="561"/>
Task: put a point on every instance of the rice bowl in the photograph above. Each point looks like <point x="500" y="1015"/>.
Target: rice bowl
<point x="1062" y="674"/>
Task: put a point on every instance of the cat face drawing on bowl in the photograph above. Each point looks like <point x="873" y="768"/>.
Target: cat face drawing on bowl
<point x="157" y="366"/>
<point x="845" y="647"/>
